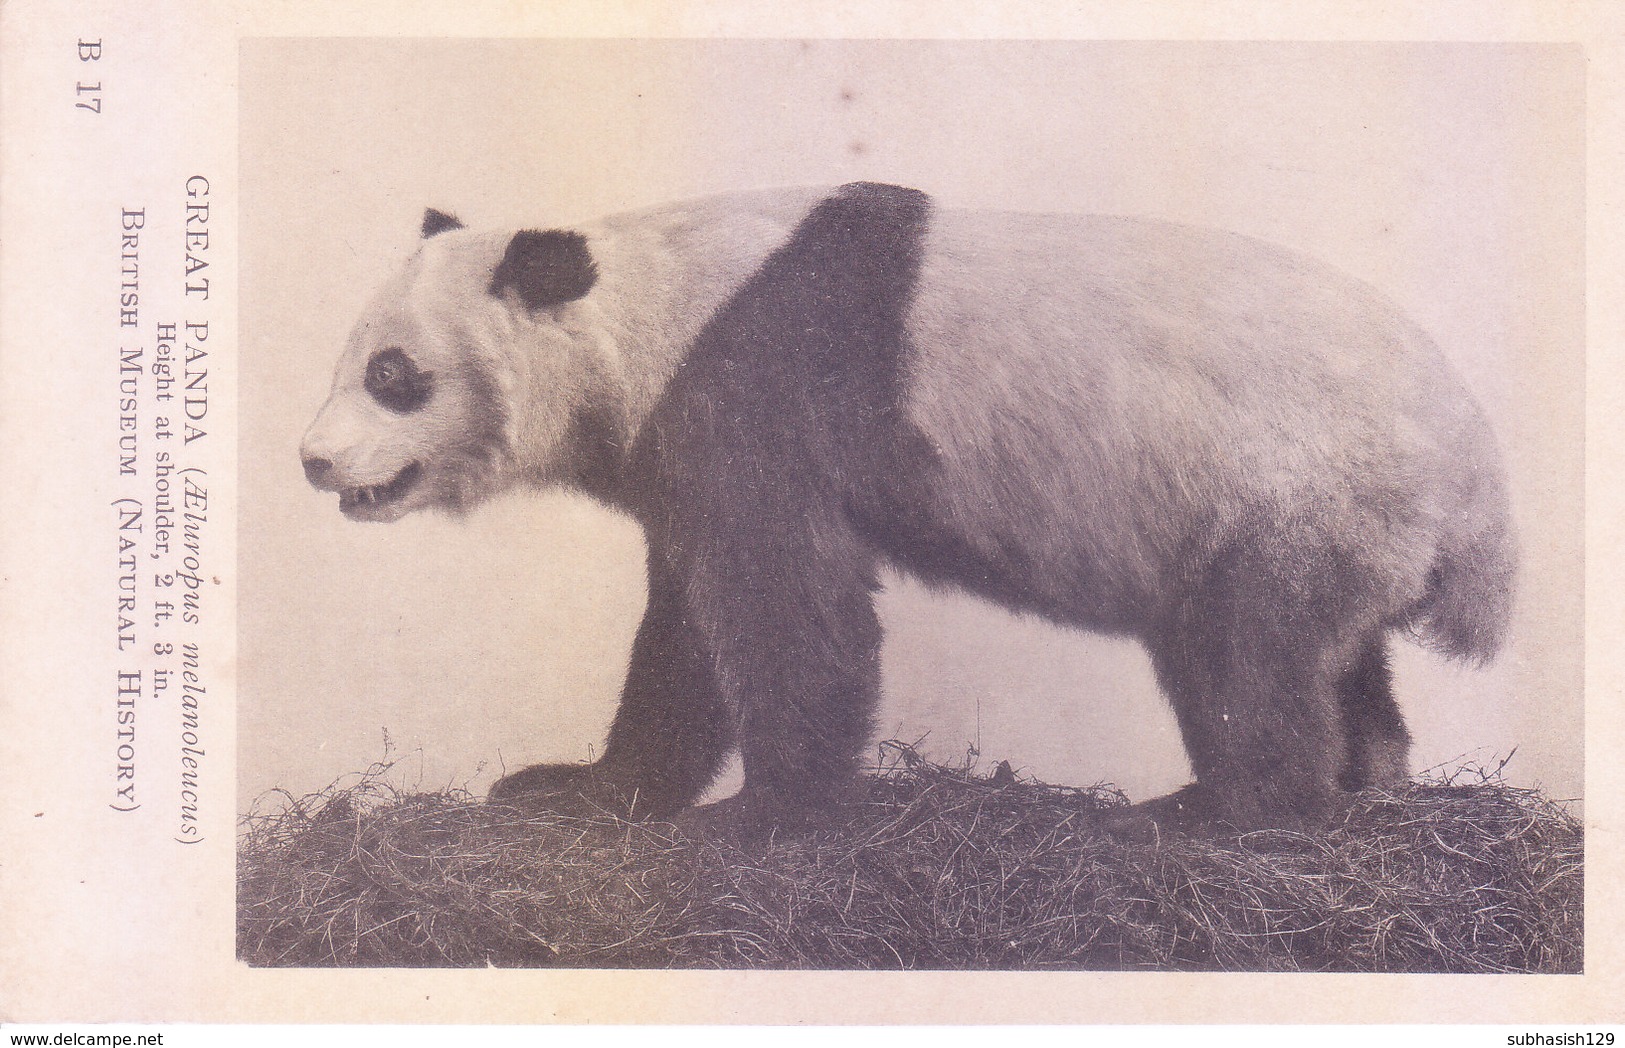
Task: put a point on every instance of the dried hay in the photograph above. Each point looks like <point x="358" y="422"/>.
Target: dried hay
<point x="937" y="868"/>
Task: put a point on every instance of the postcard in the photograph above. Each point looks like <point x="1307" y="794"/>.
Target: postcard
<point x="682" y="513"/>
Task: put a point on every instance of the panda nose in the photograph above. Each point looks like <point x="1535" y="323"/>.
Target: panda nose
<point x="316" y="468"/>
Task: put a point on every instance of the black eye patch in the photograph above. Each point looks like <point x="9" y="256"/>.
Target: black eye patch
<point x="396" y="383"/>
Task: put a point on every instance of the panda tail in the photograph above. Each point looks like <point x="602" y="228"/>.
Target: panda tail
<point x="1467" y="607"/>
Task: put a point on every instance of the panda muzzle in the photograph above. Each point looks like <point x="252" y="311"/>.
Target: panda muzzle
<point x="359" y="500"/>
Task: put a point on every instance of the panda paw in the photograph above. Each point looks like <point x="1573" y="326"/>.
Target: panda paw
<point x="1198" y="811"/>
<point x="572" y="790"/>
<point x="1188" y="812"/>
<point x="757" y="820"/>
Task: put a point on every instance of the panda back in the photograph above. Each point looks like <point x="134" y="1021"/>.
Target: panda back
<point x="1112" y="391"/>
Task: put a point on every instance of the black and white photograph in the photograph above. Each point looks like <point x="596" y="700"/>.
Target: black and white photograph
<point x="704" y="520"/>
<point x="912" y="505"/>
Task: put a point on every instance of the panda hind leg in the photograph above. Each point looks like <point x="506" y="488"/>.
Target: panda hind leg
<point x="1263" y="674"/>
<point x="669" y="738"/>
<point x="1378" y="746"/>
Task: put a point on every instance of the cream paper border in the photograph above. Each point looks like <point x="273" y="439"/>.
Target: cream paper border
<point x="99" y="924"/>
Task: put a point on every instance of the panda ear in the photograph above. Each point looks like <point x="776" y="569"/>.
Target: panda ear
<point x="438" y="222"/>
<point x="546" y="268"/>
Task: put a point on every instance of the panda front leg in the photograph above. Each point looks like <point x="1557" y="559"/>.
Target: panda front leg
<point x="788" y="607"/>
<point x="669" y="737"/>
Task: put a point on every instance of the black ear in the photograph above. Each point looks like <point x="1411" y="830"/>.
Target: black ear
<point x="438" y="222"/>
<point x="546" y="268"/>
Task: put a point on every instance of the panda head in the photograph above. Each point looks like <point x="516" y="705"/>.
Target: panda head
<point x="470" y="372"/>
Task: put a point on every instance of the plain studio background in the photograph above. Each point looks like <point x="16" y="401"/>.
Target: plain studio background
<point x="1449" y="176"/>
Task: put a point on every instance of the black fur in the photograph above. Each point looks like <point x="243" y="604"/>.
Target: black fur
<point x="546" y="268"/>
<point x="437" y="222"/>
<point x="1373" y="726"/>
<point x="394" y="380"/>
<point x="779" y="468"/>
<point x="760" y="624"/>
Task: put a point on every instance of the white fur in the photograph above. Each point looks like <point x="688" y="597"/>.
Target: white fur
<point x="1110" y="395"/>
<point x="1115" y="395"/>
<point x="662" y="273"/>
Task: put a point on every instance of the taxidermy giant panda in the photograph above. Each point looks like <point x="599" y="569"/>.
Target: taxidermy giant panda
<point x="1249" y="461"/>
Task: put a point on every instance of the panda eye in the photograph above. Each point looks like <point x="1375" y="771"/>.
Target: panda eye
<point x="396" y="383"/>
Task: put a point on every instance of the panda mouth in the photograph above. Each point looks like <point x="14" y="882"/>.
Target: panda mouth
<point x="367" y="500"/>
